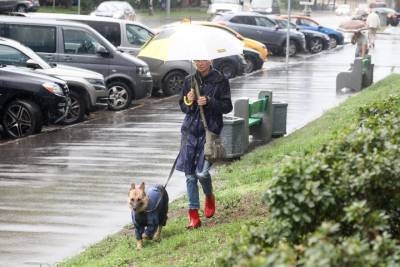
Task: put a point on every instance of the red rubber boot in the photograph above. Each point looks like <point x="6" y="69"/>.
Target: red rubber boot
<point x="209" y="209"/>
<point x="194" y="219"/>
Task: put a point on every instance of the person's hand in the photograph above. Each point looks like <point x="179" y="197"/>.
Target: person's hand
<point x="191" y="96"/>
<point x="202" y="101"/>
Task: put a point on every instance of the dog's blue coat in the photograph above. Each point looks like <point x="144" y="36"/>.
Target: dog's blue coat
<point x="148" y="221"/>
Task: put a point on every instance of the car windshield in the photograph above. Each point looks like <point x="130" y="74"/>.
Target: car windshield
<point x="234" y="2"/>
<point x="261" y="3"/>
<point x="283" y="24"/>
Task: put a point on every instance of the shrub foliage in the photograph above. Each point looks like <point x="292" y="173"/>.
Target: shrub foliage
<point x="339" y="206"/>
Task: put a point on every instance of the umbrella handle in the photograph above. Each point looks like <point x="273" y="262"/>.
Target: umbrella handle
<point x="197" y="93"/>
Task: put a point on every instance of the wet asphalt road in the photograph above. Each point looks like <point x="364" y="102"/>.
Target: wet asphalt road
<point x="65" y="189"/>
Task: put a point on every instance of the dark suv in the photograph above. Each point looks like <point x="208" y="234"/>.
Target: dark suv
<point x="264" y="30"/>
<point x="28" y="100"/>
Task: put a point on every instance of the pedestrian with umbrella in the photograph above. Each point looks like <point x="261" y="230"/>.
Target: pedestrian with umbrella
<point x="359" y="38"/>
<point x="205" y="97"/>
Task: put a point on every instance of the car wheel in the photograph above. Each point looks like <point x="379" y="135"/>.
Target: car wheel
<point x="251" y="64"/>
<point x="22" y="118"/>
<point x="316" y="45"/>
<point x="228" y="69"/>
<point x="173" y="82"/>
<point x="292" y="48"/>
<point x="332" y="42"/>
<point x="120" y="96"/>
<point x="77" y="110"/>
<point x="393" y="21"/>
<point x="21" y="9"/>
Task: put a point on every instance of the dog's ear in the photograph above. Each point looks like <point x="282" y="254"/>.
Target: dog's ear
<point x="141" y="186"/>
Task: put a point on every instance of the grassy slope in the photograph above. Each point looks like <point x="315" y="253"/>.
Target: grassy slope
<point x="240" y="186"/>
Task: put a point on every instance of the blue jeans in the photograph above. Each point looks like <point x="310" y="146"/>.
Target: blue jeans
<point x="192" y="188"/>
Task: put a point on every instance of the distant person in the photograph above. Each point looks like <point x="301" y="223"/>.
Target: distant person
<point x="361" y="42"/>
<point x="373" y="23"/>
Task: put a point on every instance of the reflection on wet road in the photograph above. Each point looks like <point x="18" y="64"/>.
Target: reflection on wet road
<point x="63" y="190"/>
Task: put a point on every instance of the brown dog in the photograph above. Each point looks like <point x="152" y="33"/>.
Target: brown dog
<point x="149" y="210"/>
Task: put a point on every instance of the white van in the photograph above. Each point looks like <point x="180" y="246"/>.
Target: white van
<point x="224" y="5"/>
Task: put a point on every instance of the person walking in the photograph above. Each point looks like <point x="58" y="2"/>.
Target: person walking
<point x="216" y="100"/>
<point x="373" y="23"/>
<point x="361" y="42"/>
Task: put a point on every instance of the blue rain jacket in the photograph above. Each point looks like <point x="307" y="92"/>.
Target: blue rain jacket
<point x="147" y="222"/>
<point x="216" y="87"/>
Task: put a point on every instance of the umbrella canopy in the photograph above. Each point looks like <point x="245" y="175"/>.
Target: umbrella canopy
<point x="353" y="26"/>
<point x="191" y="42"/>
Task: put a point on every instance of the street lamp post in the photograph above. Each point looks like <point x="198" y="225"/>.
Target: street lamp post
<point x="288" y="36"/>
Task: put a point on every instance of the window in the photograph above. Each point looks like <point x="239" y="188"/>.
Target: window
<point x="79" y="42"/>
<point x="264" y="22"/>
<point x="137" y="35"/>
<point x="243" y="20"/>
<point x="12" y="56"/>
<point x="38" y="38"/>
<point x="307" y="22"/>
<point x="110" y="31"/>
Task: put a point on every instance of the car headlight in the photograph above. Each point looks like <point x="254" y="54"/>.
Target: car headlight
<point x="143" y="71"/>
<point x="53" y="88"/>
<point x="96" y="82"/>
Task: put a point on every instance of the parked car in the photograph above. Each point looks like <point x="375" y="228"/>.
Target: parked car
<point x="254" y="60"/>
<point x="263" y="29"/>
<point x="129" y="36"/>
<point x="29" y="100"/>
<point x="18" y="5"/>
<point x="265" y="6"/>
<point x="336" y="38"/>
<point x="216" y="6"/>
<point x="78" y="45"/>
<point x="27" y="6"/>
<point x="315" y="41"/>
<point x="87" y="88"/>
<point x="343" y="10"/>
<point x="392" y="16"/>
<point x="116" y="10"/>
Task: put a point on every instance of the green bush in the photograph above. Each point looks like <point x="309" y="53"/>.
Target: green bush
<point x="364" y="164"/>
<point x="336" y="207"/>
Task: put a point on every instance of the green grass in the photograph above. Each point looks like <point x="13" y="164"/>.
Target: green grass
<point x="239" y="189"/>
<point x="177" y="13"/>
<point x="50" y="9"/>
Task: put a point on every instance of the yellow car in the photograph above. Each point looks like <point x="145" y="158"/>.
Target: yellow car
<point x="249" y="43"/>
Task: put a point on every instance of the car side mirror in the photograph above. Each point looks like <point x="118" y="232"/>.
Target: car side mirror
<point x="101" y="50"/>
<point x="319" y="27"/>
<point x="277" y="27"/>
<point x="30" y="63"/>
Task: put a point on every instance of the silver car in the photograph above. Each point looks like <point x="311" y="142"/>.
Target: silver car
<point x="87" y="88"/>
<point x="116" y="10"/>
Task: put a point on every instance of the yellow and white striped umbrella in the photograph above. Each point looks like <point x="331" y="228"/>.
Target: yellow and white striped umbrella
<point x="191" y="42"/>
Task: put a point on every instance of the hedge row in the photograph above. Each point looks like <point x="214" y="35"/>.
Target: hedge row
<point x="337" y="207"/>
